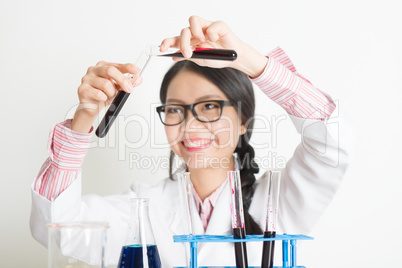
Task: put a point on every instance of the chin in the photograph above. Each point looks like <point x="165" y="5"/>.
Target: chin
<point x="203" y="161"/>
<point x="195" y="161"/>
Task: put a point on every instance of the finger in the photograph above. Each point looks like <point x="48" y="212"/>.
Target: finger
<point x="216" y="30"/>
<point x="178" y="59"/>
<point x="128" y="68"/>
<point x="111" y="72"/>
<point x="202" y="22"/>
<point x="124" y="68"/>
<point x="133" y="77"/>
<point x="174" y="42"/>
<point x="185" y="43"/>
<point x="135" y="80"/>
<point x="104" y="85"/>
<point x="92" y="94"/>
<point x="168" y="43"/>
<point x="196" y="26"/>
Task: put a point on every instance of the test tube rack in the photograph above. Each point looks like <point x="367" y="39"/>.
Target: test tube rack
<point x="289" y="243"/>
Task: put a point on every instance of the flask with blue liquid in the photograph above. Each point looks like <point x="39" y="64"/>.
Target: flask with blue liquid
<point x="140" y="250"/>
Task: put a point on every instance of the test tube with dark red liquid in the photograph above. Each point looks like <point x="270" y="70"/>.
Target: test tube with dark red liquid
<point x="238" y="218"/>
<point x="271" y="219"/>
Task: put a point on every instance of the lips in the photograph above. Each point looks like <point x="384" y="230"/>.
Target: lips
<point x="196" y="144"/>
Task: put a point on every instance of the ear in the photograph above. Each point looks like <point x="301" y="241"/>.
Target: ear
<point x="243" y="129"/>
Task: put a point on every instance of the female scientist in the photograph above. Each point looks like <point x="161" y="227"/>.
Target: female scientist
<point x="191" y="90"/>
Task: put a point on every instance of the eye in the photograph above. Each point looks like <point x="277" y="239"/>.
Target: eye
<point x="210" y="106"/>
<point x="173" y="110"/>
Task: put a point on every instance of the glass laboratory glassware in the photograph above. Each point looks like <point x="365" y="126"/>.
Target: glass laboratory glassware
<point x="77" y="244"/>
<point x="237" y="214"/>
<point x="271" y="218"/>
<point x="198" y="53"/>
<point x="140" y="250"/>
<point x="186" y="196"/>
<point x="122" y="96"/>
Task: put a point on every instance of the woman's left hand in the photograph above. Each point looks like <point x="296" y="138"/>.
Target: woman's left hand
<point x="206" y="34"/>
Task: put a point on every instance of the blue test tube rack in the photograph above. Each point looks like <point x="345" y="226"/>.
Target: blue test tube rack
<point x="288" y="253"/>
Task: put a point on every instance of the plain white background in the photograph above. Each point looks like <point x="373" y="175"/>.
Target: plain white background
<point x="350" y="49"/>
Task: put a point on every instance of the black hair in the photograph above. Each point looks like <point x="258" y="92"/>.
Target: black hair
<point x="239" y="90"/>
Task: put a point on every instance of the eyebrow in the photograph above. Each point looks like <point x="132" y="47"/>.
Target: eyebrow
<point x="206" y="97"/>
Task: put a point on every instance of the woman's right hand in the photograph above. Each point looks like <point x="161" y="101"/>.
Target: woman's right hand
<point x="98" y="89"/>
<point x="202" y="33"/>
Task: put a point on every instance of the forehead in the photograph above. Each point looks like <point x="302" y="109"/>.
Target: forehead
<point x="188" y="87"/>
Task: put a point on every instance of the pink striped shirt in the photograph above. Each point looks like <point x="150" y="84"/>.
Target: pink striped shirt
<point x="280" y="81"/>
<point x="205" y="208"/>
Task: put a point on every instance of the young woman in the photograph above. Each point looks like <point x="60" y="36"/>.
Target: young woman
<point x="208" y="110"/>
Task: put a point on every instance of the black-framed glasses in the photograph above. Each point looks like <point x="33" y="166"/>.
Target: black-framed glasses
<point x="204" y="111"/>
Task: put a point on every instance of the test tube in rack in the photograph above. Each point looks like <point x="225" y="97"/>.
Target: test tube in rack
<point x="271" y="219"/>
<point x="237" y="214"/>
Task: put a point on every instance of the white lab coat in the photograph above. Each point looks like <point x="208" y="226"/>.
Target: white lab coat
<point x="308" y="184"/>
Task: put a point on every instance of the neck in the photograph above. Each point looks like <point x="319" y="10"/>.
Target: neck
<point x="207" y="180"/>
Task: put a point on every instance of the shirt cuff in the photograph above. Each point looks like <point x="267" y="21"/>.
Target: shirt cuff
<point x="67" y="148"/>
<point x="278" y="82"/>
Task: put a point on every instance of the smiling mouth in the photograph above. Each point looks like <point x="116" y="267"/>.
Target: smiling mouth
<point x="193" y="145"/>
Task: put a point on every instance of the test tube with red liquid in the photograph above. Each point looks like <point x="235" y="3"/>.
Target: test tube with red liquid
<point x="237" y="215"/>
<point x="271" y="219"/>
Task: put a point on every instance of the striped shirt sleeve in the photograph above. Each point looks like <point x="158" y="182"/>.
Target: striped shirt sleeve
<point x="281" y="82"/>
<point x="67" y="149"/>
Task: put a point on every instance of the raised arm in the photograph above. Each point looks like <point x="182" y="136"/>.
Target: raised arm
<point x="314" y="173"/>
<point x="56" y="192"/>
<point x="68" y="141"/>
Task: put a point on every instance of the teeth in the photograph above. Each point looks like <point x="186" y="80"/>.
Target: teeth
<point x="197" y="143"/>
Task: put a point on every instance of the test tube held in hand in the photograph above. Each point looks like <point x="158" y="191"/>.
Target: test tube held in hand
<point x="121" y="97"/>
<point x="207" y="54"/>
<point x="237" y="215"/>
<point x="271" y="219"/>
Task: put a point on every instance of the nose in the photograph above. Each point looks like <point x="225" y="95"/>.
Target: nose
<point x="190" y="122"/>
<point x="190" y="117"/>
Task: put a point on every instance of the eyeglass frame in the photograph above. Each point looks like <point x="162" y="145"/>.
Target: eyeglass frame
<point x="222" y="103"/>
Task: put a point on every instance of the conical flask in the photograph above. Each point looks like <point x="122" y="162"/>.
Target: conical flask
<point x="140" y="250"/>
